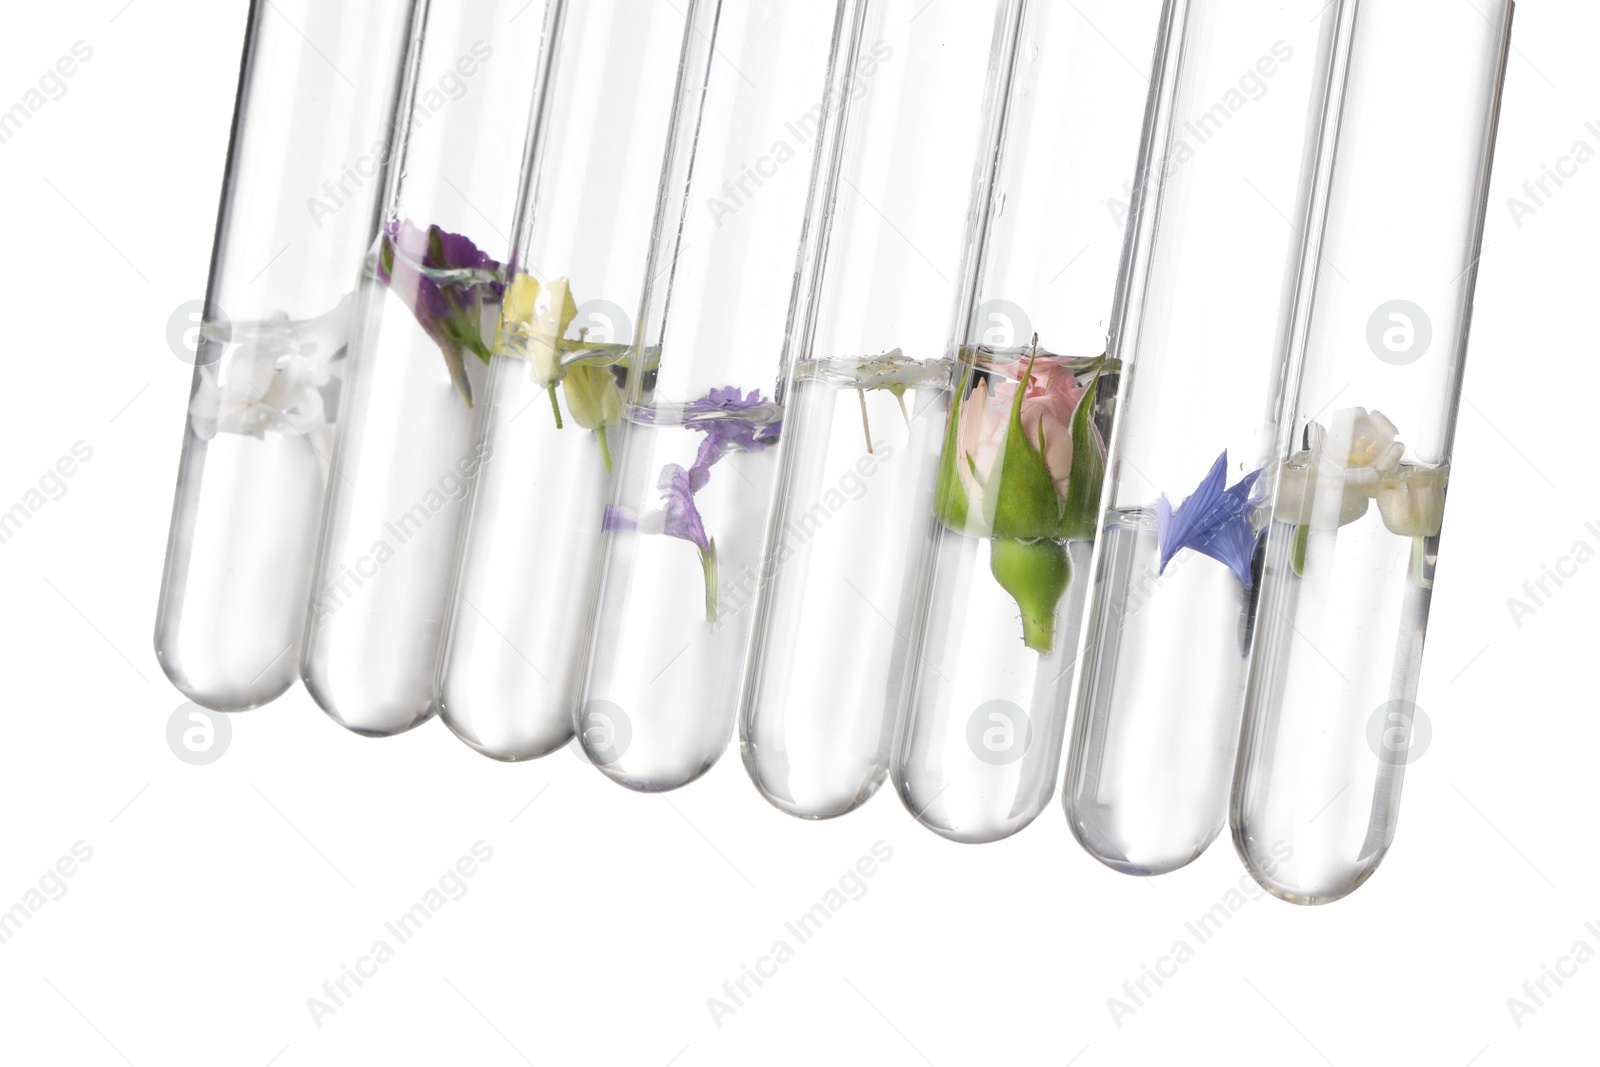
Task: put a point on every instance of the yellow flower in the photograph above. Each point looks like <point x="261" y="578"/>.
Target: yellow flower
<point x="593" y="396"/>
<point x="533" y="320"/>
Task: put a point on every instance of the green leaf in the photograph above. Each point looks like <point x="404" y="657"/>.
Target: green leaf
<point x="1082" y="511"/>
<point x="1036" y="573"/>
<point x="950" y="499"/>
<point x="1021" y="487"/>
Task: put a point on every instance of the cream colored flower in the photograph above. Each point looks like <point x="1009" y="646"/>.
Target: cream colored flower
<point x="533" y="321"/>
<point x="1331" y="483"/>
<point x="1411" y="500"/>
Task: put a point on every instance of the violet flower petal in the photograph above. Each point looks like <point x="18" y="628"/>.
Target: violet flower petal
<point x="1213" y="521"/>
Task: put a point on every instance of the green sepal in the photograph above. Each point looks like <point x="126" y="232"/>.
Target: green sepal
<point x="1036" y="574"/>
<point x="1082" y="510"/>
<point x="950" y="499"/>
<point x="1021" y="486"/>
<point x="1297" y="550"/>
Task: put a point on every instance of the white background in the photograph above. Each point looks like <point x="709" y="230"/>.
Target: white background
<point x="219" y="898"/>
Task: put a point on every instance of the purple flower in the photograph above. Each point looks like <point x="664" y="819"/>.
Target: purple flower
<point x="416" y="266"/>
<point x="678" y="516"/>
<point x="1213" y="521"/>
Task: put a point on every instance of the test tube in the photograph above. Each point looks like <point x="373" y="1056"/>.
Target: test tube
<point x="684" y="528"/>
<point x="866" y="412"/>
<point x="318" y="90"/>
<point x="1017" y="489"/>
<point x="425" y="323"/>
<point x="525" y="564"/>
<point x="1171" y="614"/>
<point x="1380" y="337"/>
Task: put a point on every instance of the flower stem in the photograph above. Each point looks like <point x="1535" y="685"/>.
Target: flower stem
<point x="861" y="395"/>
<point x="605" y="445"/>
<point x="708" y="563"/>
<point x="1419" y="563"/>
<point x="556" y="408"/>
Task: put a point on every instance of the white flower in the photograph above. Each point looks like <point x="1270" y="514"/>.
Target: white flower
<point x="271" y="377"/>
<point x="1330" y="484"/>
<point x="1411" y="500"/>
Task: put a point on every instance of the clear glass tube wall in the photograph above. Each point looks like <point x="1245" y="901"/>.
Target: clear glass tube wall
<point x="684" y="530"/>
<point x="1171" y="614"/>
<point x="866" y="412"/>
<point x="530" y="537"/>
<point x="318" y="91"/>
<point x="1381" y="336"/>
<point x="426" y="316"/>
<point x="1018" y="484"/>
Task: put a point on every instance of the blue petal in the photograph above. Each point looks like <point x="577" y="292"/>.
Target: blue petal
<point x="1182" y="527"/>
<point x="1213" y="521"/>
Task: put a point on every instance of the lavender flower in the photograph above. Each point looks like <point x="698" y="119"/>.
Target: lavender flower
<point x="446" y="281"/>
<point x="678" y="516"/>
<point x="1213" y="521"/>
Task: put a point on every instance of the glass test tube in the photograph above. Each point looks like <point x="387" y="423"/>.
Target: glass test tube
<point x="866" y="411"/>
<point x="318" y="89"/>
<point x="1018" y="484"/>
<point x="1381" y="333"/>
<point x="684" y="530"/>
<point x="1168" y="628"/>
<point x="530" y="535"/>
<point x="426" y="316"/>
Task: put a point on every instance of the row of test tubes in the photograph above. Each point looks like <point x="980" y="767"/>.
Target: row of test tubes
<point x="887" y="384"/>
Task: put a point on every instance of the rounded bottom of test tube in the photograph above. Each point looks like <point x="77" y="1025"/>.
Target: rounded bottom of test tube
<point x="816" y="803"/>
<point x="1098" y="838"/>
<point x="508" y="745"/>
<point x="227" y="694"/>
<point x="370" y="713"/>
<point x="661" y="775"/>
<point x="1299" y="878"/>
<point x="936" y="810"/>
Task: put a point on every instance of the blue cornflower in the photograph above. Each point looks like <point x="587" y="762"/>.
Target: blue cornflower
<point x="1213" y="521"/>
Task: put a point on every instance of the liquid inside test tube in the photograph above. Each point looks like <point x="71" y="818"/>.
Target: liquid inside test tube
<point x="866" y="412"/>
<point x="1332" y="718"/>
<point x="297" y="211"/>
<point x="520" y="599"/>
<point x="1172" y="612"/>
<point x="426" y="320"/>
<point x="1007" y="545"/>
<point x="685" y="526"/>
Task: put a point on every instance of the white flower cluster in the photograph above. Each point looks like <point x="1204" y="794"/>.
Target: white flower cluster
<point x="271" y="378"/>
<point x="1348" y="464"/>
